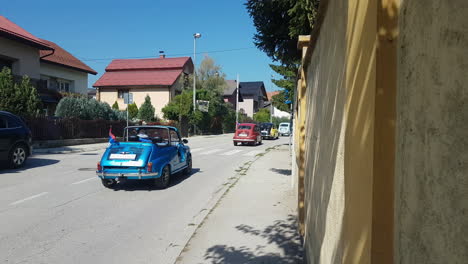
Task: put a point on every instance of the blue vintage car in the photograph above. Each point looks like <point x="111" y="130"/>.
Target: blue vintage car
<point x="148" y="152"/>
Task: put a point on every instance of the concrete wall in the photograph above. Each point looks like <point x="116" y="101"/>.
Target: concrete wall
<point x="247" y="105"/>
<point x="431" y="202"/>
<point x="26" y="58"/>
<point x="160" y="96"/>
<point x="79" y="79"/>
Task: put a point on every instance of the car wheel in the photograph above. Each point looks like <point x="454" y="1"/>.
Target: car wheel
<point x="188" y="170"/>
<point x="18" y="156"/>
<point x="163" y="181"/>
<point x="235" y="143"/>
<point x="109" y="183"/>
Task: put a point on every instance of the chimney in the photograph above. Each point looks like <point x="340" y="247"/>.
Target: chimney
<point x="161" y="54"/>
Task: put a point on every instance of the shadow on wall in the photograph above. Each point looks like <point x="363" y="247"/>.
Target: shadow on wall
<point x="282" y="233"/>
<point x="324" y="152"/>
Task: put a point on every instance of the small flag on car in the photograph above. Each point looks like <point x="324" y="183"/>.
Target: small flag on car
<point x="112" y="139"/>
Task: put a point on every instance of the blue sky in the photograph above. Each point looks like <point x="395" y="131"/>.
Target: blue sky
<point x="97" y="31"/>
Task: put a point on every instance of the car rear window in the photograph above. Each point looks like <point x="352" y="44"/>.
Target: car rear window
<point x="284" y="125"/>
<point x="244" y="127"/>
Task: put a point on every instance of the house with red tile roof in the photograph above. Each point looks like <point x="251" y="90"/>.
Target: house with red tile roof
<point x="161" y="78"/>
<point x="51" y="68"/>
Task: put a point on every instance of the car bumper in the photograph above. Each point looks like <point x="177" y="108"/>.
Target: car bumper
<point x="127" y="175"/>
<point x="244" y="139"/>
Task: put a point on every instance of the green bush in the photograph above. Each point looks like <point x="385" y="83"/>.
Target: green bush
<point x="87" y="109"/>
<point x="263" y="115"/>
<point x="18" y="98"/>
<point x="132" y="111"/>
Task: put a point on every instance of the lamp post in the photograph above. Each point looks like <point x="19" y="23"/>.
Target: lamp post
<point x="195" y="36"/>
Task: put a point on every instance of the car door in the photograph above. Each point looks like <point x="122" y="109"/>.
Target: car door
<point x="177" y="161"/>
<point x="5" y="137"/>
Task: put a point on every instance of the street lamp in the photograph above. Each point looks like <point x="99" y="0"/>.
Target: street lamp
<point x="195" y="36"/>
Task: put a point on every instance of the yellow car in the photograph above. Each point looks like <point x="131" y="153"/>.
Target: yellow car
<point x="269" y="131"/>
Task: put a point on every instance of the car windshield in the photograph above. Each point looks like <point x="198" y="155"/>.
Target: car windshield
<point x="244" y="127"/>
<point x="155" y="134"/>
<point x="284" y="125"/>
<point x="266" y="126"/>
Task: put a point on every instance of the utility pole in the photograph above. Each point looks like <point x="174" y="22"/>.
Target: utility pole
<point x="195" y="36"/>
<point x="237" y="101"/>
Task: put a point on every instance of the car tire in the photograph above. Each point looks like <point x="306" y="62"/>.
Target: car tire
<point x="18" y="156"/>
<point x="235" y="143"/>
<point x="188" y="170"/>
<point x="163" y="181"/>
<point x="109" y="183"/>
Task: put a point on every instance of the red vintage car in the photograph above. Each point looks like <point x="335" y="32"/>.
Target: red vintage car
<point x="247" y="133"/>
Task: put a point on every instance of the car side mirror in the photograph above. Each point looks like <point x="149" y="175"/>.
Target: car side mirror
<point x="184" y="141"/>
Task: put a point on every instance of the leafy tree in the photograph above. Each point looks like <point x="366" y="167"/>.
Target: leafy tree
<point x="279" y="101"/>
<point x="132" y="111"/>
<point x="18" y="98"/>
<point x="146" y="111"/>
<point x="115" y="106"/>
<point x="210" y="76"/>
<point x="278" y="24"/>
<point x="263" y="115"/>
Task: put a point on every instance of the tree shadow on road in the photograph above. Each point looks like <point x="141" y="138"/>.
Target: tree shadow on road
<point x="282" y="171"/>
<point x="282" y="234"/>
<point x="30" y="163"/>
<point x="147" y="185"/>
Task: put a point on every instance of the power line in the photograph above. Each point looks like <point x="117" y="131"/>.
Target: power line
<point x="172" y="55"/>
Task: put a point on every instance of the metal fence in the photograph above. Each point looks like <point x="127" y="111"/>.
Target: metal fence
<point x="44" y="128"/>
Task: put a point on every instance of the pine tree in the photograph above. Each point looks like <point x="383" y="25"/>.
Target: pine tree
<point x="132" y="111"/>
<point x="115" y="106"/>
<point x="146" y="111"/>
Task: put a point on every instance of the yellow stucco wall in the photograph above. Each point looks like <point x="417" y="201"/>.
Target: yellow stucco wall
<point x="160" y="96"/>
<point x="346" y="146"/>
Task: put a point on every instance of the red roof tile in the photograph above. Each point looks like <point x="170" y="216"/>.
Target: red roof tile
<point x="271" y="94"/>
<point x="138" y="78"/>
<point x="63" y="57"/>
<point x="154" y="63"/>
<point x="12" y="30"/>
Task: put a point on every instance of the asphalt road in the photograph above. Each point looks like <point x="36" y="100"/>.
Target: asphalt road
<point x="55" y="210"/>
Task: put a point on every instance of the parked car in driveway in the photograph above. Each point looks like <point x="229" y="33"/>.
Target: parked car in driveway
<point x="247" y="133"/>
<point x="148" y="152"/>
<point x="269" y="131"/>
<point x="284" y="129"/>
<point x="15" y="140"/>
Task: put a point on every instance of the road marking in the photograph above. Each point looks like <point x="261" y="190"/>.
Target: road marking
<point x="86" y="180"/>
<point x="210" y="151"/>
<point x="29" y="198"/>
<point x="253" y="153"/>
<point x="232" y="152"/>
<point x="196" y="149"/>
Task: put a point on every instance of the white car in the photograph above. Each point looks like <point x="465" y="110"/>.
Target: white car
<point x="284" y="129"/>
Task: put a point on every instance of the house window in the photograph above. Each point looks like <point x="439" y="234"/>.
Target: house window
<point x="121" y="93"/>
<point x="5" y="63"/>
<point x="63" y="86"/>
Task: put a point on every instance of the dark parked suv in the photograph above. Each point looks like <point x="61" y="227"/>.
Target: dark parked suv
<point x="15" y="140"/>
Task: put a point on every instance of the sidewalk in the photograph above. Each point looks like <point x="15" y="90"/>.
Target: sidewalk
<point x="72" y="149"/>
<point x="254" y="222"/>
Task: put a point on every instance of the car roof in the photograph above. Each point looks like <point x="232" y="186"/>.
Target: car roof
<point x="250" y="124"/>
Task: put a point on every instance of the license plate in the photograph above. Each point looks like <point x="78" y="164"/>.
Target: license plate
<point x="122" y="156"/>
<point x="242" y="135"/>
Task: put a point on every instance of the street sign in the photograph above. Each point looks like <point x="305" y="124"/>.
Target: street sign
<point x="128" y="98"/>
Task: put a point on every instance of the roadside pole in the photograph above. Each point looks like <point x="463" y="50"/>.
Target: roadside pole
<point x="237" y="101"/>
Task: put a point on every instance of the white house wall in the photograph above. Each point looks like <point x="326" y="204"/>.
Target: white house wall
<point x="25" y="58"/>
<point x="248" y="106"/>
<point x="79" y="78"/>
